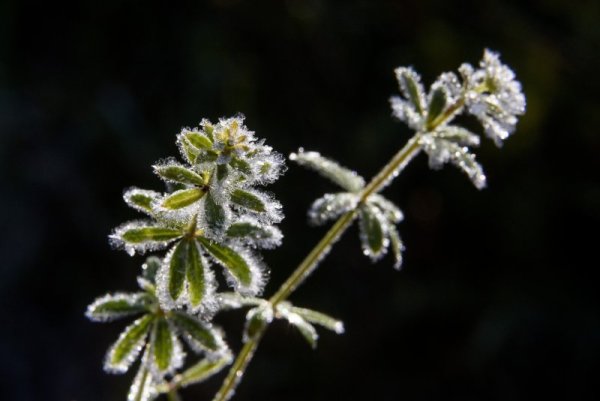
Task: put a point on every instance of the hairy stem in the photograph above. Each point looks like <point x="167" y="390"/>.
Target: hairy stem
<point x="310" y="263"/>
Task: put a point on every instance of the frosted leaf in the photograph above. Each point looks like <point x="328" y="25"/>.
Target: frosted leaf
<point x="331" y="206"/>
<point x="266" y="209"/>
<point x="318" y="318"/>
<point x="251" y="232"/>
<point x="126" y="349"/>
<point x="436" y="105"/>
<point x="115" y="306"/>
<point x="256" y="319"/>
<point x="143" y="388"/>
<point x="457" y="134"/>
<point x="442" y="151"/>
<point x="185" y="279"/>
<point x="373" y="232"/>
<point x="305" y="328"/>
<point x="244" y="272"/>
<point x="267" y="166"/>
<point x="388" y="208"/>
<point x="171" y="171"/>
<point x="403" y="110"/>
<point x="396" y="245"/>
<point x="411" y="88"/>
<point x="140" y="199"/>
<point x="451" y="85"/>
<point x="192" y="143"/>
<point x="182" y="198"/>
<point x="214" y="216"/>
<point x="495" y="97"/>
<point x="204" y="369"/>
<point x="201" y="336"/>
<point x="142" y="236"/>
<point x="345" y="178"/>
<point x="166" y="351"/>
<point x="233" y="300"/>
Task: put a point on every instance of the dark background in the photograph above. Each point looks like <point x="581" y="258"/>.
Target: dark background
<point x="498" y="296"/>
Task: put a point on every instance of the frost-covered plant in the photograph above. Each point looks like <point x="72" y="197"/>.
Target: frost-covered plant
<point x="214" y="211"/>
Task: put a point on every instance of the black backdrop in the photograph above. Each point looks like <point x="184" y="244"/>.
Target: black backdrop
<point x="497" y="299"/>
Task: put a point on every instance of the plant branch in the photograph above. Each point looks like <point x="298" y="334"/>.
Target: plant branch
<point x="310" y="263"/>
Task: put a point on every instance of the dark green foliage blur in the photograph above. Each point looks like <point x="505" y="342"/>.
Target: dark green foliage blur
<point x="498" y="297"/>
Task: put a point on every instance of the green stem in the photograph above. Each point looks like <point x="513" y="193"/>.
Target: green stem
<point x="239" y="367"/>
<point x="172" y="395"/>
<point x="310" y="263"/>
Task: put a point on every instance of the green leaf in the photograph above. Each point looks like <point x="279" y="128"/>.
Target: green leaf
<point x="241" y="165"/>
<point x="189" y="151"/>
<point x="232" y="260"/>
<point x="195" y="275"/>
<point x="116" y="306"/>
<point x="178" y="264"/>
<point x="319" y="318"/>
<point x="436" y="104"/>
<point x="140" y="199"/>
<point x="182" y="198"/>
<point x="162" y="345"/>
<point x="179" y="174"/>
<point x="248" y="230"/>
<point x="345" y="178"/>
<point x="222" y="172"/>
<point x="411" y="88"/>
<point x="142" y="388"/>
<point x="306" y="329"/>
<point x="203" y="370"/>
<point x="372" y="234"/>
<point x="202" y="335"/>
<point x="127" y="347"/>
<point x="145" y="234"/>
<point x="150" y="268"/>
<point x="248" y="200"/>
<point x="458" y="135"/>
<point x="199" y="140"/>
<point x="256" y="320"/>
<point x="214" y="213"/>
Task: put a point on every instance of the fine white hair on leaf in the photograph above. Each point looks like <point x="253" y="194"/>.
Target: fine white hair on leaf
<point x="342" y="176"/>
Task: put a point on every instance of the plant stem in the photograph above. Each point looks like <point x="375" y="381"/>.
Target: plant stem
<point x="310" y="263"/>
<point x="173" y="396"/>
<point x="239" y="367"/>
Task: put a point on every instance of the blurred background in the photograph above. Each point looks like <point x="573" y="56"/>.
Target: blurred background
<point x="498" y="296"/>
